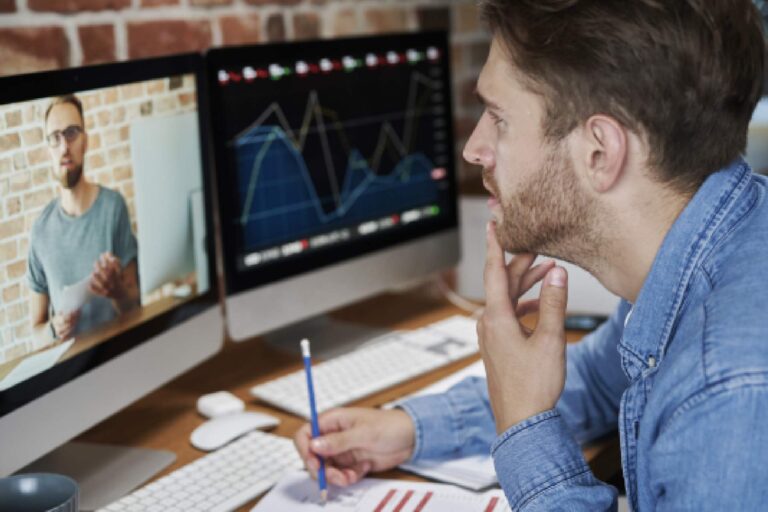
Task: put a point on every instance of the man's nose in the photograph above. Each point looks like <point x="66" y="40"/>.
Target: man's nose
<point x="477" y="150"/>
<point x="64" y="146"/>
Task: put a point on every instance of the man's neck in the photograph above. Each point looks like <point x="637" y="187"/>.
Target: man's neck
<point x="77" y="200"/>
<point x="636" y="237"/>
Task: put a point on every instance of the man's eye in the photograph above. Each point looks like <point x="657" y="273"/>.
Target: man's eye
<point x="495" y="118"/>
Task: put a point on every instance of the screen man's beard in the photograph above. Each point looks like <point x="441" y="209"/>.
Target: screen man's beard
<point x="71" y="177"/>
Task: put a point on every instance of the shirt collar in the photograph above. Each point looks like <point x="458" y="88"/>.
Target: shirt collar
<point x="706" y="216"/>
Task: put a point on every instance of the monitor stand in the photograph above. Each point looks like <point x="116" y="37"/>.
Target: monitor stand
<point x="104" y="473"/>
<point x="329" y="337"/>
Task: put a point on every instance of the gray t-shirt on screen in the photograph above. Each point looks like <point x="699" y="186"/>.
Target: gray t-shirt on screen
<point x="63" y="250"/>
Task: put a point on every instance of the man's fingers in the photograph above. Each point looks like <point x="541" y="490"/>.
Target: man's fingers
<point x="533" y="275"/>
<point x="97" y="287"/>
<point x="301" y="440"/>
<point x="527" y="307"/>
<point x="516" y="269"/>
<point x="336" y="477"/>
<point x="495" y="275"/>
<point x="337" y="442"/>
<point x="553" y="300"/>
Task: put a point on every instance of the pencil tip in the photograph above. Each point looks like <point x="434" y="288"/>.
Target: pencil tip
<point x="323" y="496"/>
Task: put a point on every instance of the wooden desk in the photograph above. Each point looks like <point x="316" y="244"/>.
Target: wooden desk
<point x="166" y="418"/>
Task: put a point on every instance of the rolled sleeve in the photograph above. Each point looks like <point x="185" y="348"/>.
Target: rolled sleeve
<point x="452" y="424"/>
<point x="541" y="467"/>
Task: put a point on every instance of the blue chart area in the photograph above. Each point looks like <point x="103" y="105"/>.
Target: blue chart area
<point x="280" y="202"/>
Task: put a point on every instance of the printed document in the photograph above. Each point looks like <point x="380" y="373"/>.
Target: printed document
<point x="297" y="492"/>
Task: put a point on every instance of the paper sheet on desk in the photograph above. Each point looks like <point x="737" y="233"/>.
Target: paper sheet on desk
<point x="74" y="297"/>
<point x="297" y="492"/>
<point x="34" y="364"/>
<point x="475" y="472"/>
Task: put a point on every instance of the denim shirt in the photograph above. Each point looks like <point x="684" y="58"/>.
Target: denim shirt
<point x="682" y="373"/>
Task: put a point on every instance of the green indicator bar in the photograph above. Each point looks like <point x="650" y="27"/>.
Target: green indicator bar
<point x="434" y="210"/>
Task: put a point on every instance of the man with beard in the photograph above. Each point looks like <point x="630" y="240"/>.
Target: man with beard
<point x="85" y="233"/>
<point x="611" y="137"/>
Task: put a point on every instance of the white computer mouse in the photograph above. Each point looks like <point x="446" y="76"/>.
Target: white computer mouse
<point x="217" y="432"/>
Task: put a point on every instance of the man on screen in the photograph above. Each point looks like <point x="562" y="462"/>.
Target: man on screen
<point x="82" y="266"/>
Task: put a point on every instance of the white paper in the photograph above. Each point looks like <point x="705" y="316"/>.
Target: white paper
<point x="476" y="472"/>
<point x="34" y="364"/>
<point x="297" y="492"/>
<point x="74" y="297"/>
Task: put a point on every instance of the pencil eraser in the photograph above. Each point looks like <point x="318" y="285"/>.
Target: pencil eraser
<point x="218" y="404"/>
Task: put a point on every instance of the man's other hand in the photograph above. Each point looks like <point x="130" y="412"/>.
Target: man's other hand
<point x="64" y="324"/>
<point x="525" y="369"/>
<point x="107" y="277"/>
<point x="355" y="441"/>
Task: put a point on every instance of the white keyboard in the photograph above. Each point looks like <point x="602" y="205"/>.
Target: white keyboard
<point x="389" y="360"/>
<point x="220" y="481"/>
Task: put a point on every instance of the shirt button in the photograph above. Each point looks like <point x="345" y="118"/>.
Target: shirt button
<point x="651" y="361"/>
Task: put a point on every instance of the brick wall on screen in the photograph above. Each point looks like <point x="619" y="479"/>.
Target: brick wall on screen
<point x="26" y="185"/>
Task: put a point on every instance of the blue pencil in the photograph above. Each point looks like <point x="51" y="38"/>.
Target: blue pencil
<point x="313" y="412"/>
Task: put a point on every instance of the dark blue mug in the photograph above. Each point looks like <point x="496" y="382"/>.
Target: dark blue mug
<point x="39" y="492"/>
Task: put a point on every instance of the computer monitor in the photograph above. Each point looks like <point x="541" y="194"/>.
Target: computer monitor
<point x="336" y="172"/>
<point x="107" y="297"/>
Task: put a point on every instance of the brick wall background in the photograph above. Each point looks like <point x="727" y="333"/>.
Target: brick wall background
<point x="26" y="183"/>
<point x="38" y="35"/>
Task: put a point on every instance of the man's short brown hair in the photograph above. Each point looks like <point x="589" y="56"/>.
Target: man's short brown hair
<point x="70" y="99"/>
<point x="686" y="74"/>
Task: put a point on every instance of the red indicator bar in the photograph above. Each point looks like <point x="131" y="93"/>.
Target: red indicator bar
<point x="423" y="502"/>
<point x="385" y="501"/>
<point x="403" y="501"/>
<point x="492" y="504"/>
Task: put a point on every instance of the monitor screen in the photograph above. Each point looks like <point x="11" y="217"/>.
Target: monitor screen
<point x="105" y="215"/>
<point x="330" y="150"/>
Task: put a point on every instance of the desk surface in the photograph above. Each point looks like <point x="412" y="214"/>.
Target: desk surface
<point x="166" y="418"/>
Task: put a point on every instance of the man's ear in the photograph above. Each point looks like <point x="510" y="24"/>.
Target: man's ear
<point x="603" y="151"/>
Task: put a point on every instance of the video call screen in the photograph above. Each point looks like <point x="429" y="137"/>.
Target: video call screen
<point x="102" y="218"/>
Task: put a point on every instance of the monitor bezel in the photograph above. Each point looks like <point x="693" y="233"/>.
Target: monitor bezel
<point x="237" y="281"/>
<point x="28" y="87"/>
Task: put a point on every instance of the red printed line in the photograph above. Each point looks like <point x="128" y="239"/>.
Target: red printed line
<point x="385" y="501"/>
<point x="403" y="501"/>
<point x="423" y="502"/>
<point x="492" y="504"/>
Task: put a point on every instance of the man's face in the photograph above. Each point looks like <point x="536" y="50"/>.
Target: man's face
<point x="67" y="143"/>
<point x="536" y="199"/>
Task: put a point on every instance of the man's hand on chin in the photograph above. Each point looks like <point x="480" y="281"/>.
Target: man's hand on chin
<point x="525" y="370"/>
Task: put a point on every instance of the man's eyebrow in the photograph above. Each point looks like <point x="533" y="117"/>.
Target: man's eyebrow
<point x="487" y="102"/>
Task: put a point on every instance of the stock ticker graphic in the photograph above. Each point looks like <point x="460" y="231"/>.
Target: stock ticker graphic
<point x="344" y="149"/>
